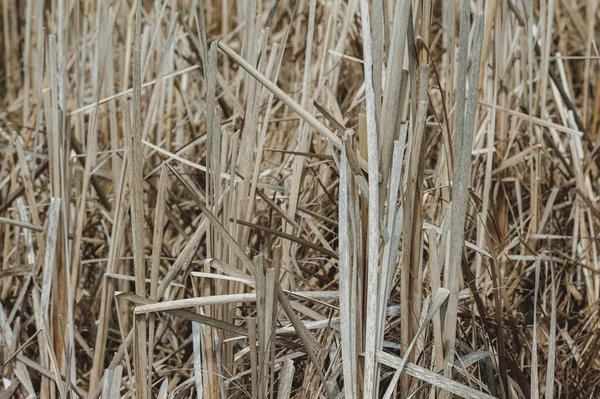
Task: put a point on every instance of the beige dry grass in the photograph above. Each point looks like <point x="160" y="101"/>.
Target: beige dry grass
<point x="299" y="198"/>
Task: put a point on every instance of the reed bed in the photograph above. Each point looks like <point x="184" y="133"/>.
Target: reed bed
<point x="299" y="199"/>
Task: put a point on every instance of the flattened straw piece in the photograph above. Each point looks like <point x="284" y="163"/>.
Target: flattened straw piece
<point x="388" y="263"/>
<point x="371" y="368"/>
<point x="115" y="387"/>
<point x="107" y="384"/>
<point x="157" y="243"/>
<point x="379" y="39"/>
<point x="391" y="95"/>
<point x="462" y="168"/>
<point x="162" y="392"/>
<point x="348" y="331"/>
<point x="135" y="164"/>
<point x="412" y="230"/>
<point x="221" y="299"/>
<point x="548" y="209"/>
<point x="186" y="314"/>
<point x="197" y="358"/>
<point x="50" y="255"/>
<point x="29" y="191"/>
<point x="307" y="64"/>
<point x="285" y="380"/>
<point x="432" y="378"/>
<point x="134" y="155"/>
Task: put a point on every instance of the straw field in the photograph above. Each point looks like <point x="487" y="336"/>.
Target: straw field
<point x="300" y="199"/>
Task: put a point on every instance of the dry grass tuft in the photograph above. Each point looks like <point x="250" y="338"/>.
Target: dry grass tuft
<point x="299" y="198"/>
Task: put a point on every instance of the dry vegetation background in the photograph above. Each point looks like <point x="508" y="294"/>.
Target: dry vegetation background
<point x="312" y="198"/>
